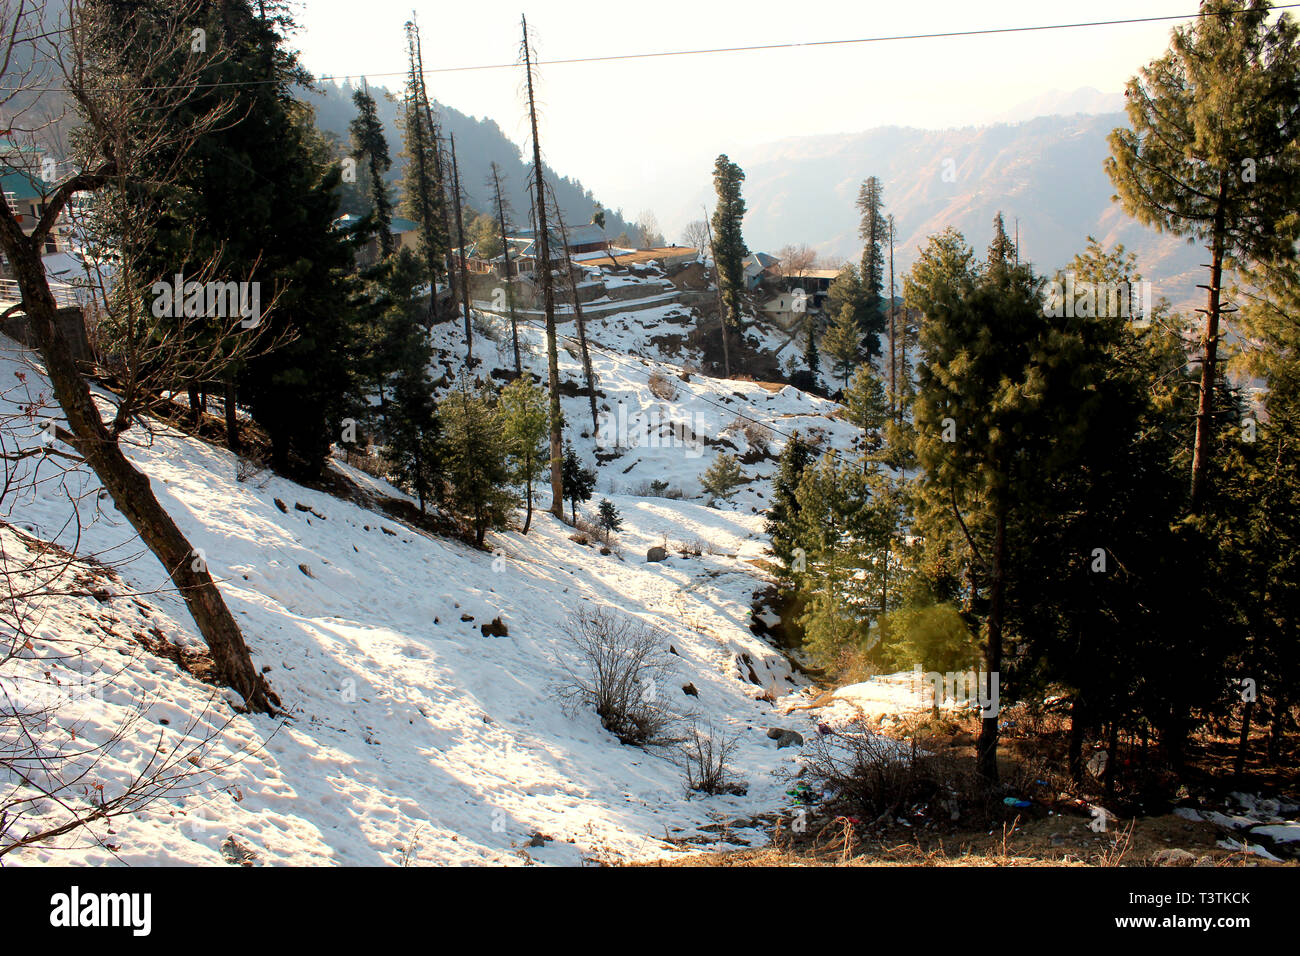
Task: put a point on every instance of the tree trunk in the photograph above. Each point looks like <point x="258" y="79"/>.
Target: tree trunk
<point x="196" y="405"/>
<point x="1205" y="404"/>
<point x="548" y="298"/>
<point x="133" y="496"/>
<point x="986" y="746"/>
<point x="1112" y="760"/>
<point x="1243" y="743"/>
<point x="464" y="271"/>
<point x="1078" y="727"/>
<point x="528" y="517"/>
<point x="232" y="419"/>
<point x="722" y="308"/>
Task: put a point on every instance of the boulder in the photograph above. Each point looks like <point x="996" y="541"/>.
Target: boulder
<point x="789" y="739"/>
<point x="657" y="553"/>
<point x="496" y="629"/>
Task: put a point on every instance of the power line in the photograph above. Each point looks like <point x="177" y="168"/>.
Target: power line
<point x="704" y="51"/>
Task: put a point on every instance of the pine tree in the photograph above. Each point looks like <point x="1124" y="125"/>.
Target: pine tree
<point x="402" y="357"/>
<point x="868" y="408"/>
<point x="1210" y="156"/>
<point x="579" y="481"/>
<point x="874" y="232"/>
<point x="524" y="419"/>
<point x="1002" y="250"/>
<point x="996" y="407"/>
<point x="475" y="462"/>
<point x="368" y="142"/>
<point x="843" y="343"/>
<point x="812" y="361"/>
<point x="729" y="249"/>
<point x="782" y="517"/>
<point x="609" y="518"/>
<point x="423" y="196"/>
<point x="722" y="478"/>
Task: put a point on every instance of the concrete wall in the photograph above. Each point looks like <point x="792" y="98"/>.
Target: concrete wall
<point x="71" y="324"/>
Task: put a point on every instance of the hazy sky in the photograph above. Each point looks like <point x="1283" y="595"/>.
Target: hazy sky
<point x="608" y="124"/>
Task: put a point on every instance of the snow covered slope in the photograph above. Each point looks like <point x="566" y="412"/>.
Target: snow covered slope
<point x="415" y="738"/>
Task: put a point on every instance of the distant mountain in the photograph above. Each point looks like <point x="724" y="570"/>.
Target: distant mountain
<point x="479" y="143"/>
<point x="1063" y="103"/>
<point x="1044" y="174"/>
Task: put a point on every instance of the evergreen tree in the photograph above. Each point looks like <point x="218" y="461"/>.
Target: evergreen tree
<point x="783" y="515"/>
<point x="729" y="249"/>
<point x="402" y="357"/>
<point x="874" y="232"/>
<point x="579" y="482"/>
<point x="847" y="522"/>
<point x="1210" y="156"/>
<point x="368" y="143"/>
<point x="475" y="461"/>
<point x="422" y="193"/>
<point x="608" y="518"/>
<point x="868" y="408"/>
<point x="996" y="412"/>
<point x="812" y="361"/>
<point x="525" y="423"/>
<point x="723" y="477"/>
<point x="843" y="343"/>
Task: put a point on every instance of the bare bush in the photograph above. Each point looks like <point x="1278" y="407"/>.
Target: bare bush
<point x="622" y="666"/>
<point x="661" y="387"/>
<point x="880" y="779"/>
<point x="706" y="757"/>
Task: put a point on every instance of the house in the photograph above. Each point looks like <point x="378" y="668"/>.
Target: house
<point x="587" y="241"/>
<point x="25" y="191"/>
<point x="757" y="266"/>
<point x="815" y="284"/>
<point x="404" y="231"/>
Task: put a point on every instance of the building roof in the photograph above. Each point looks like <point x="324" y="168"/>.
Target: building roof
<point x="760" y="259"/>
<point x="583" y="235"/>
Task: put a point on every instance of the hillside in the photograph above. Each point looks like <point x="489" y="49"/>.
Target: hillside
<point x="479" y="143"/>
<point x="414" y="737"/>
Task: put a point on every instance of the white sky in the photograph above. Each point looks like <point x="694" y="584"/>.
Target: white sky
<point x="608" y="124"/>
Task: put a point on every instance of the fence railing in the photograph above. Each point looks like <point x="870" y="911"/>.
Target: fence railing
<point x="64" y="295"/>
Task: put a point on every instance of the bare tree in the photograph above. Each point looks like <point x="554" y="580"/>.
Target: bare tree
<point x="548" y="285"/>
<point x="696" y="235"/>
<point x="797" y="261"/>
<point x="131" y="96"/>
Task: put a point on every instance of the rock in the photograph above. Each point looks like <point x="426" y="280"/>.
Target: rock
<point x="467" y="618"/>
<point x="1173" y="857"/>
<point x="690" y="691"/>
<point x="496" y="629"/>
<point x="306" y="570"/>
<point x="789" y="739"/>
<point x="775" y="732"/>
<point x="280" y="504"/>
<point x="657" y="553"/>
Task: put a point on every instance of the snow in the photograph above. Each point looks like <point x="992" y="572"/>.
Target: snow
<point x="414" y="738"/>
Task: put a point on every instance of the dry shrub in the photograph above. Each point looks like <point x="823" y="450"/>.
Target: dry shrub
<point x="661" y="387"/>
<point x="622" y="666"/>
<point x="705" y="757"/>
<point x="879" y="779"/>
